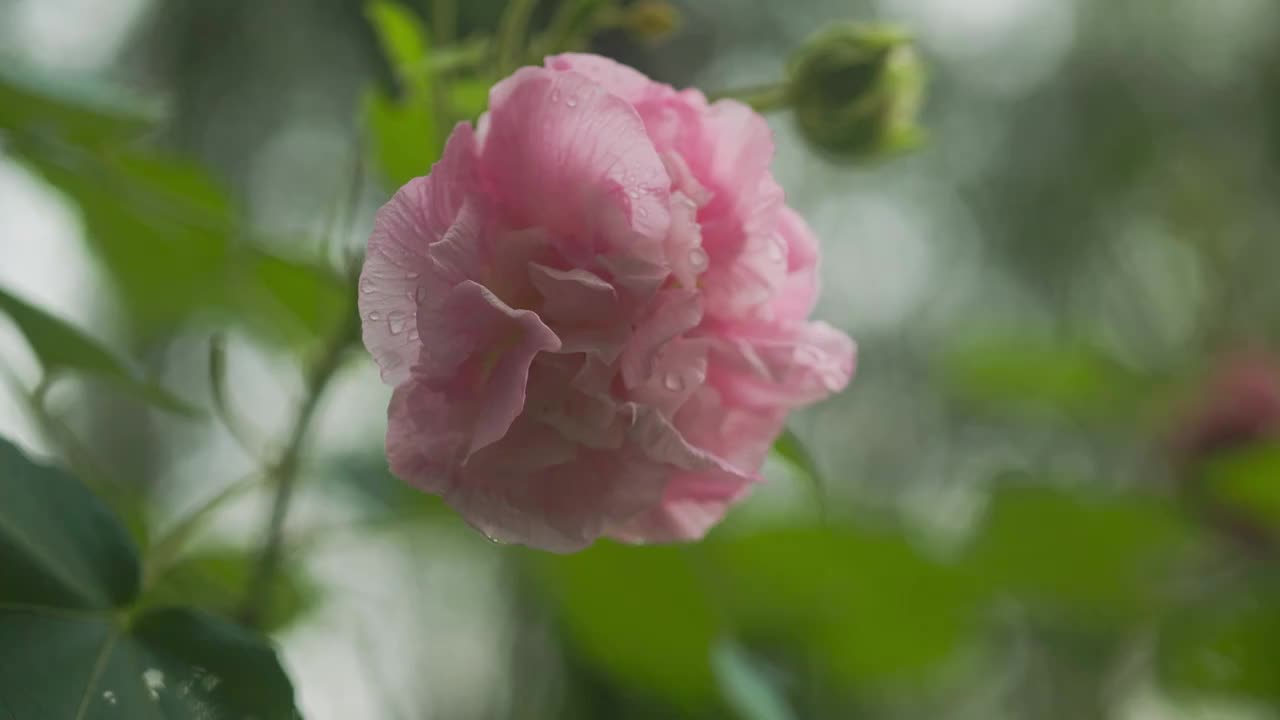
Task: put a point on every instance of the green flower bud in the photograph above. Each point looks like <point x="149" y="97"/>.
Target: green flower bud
<point x="856" y="90"/>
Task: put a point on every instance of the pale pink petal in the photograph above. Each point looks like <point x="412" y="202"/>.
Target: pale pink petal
<point x="574" y="296"/>
<point x="674" y="313"/>
<point x="481" y="356"/>
<point x="815" y="361"/>
<point x="397" y="260"/>
<point x="559" y="151"/>
<point x="615" y="77"/>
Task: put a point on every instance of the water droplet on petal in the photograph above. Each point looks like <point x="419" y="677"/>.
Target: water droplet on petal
<point x="366" y="285"/>
<point x="395" y="322"/>
<point x="555" y="96"/>
<point x="571" y="102"/>
<point x="633" y="193"/>
<point x="411" y="276"/>
<point x="698" y="259"/>
<point x="673" y="382"/>
<point x="375" y="316"/>
<point x="777" y="251"/>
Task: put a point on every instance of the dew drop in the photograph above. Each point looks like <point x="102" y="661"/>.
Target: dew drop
<point x="411" y="276"/>
<point x="776" y="251"/>
<point x="633" y="193"/>
<point x="109" y="697"/>
<point x="673" y="382"/>
<point x="375" y="316"/>
<point x="395" y="322"/>
<point x="366" y="286"/>
<point x="555" y="96"/>
<point x="571" y="102"/>
<point x="698" y="259"/>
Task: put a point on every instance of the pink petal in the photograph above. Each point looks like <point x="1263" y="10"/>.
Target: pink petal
<point x="480" y="354"/>
<point x="563" y="153"/>
<point x="396" y="261"/>
<point x="574" y="296"/>
<point x="674" y="313"/>
<point x="807" y="365"/>
<point x="617" y="78"/>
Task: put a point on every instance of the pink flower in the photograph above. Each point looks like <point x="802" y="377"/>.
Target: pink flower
<point x="594" y="311"/>
<point x="1240" y="406"/>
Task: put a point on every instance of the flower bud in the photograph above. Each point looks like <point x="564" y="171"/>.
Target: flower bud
<point x="856" y="90"/>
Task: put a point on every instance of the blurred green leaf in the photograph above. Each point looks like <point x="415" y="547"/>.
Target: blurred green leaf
<point x="402" y="135"/>
<point x="745" y="685"/>
<point x="365" y="479"/>
<point x="1248" y="479"/>
<point x="1096" y="559"/>
<point x="292" y="298"/>
<point x="1017" y="375"/>
<point x="60" y="346"/>
<point x="77" y="110"/>
<point x="868" y="604"/>
<point x="640" y="614"/>
<point x="160" y="226"/>
<point x="214" y="580"/>
<point x="405" y="131"/>
<point x="67" y="649"/>
<point x="1225" y="646"/>
<point x="400" y="33"/>
<point x="469" y="97"/>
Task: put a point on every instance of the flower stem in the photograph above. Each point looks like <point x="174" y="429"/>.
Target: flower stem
<point x="762" y="98"/>
<point x="284" y="474"/>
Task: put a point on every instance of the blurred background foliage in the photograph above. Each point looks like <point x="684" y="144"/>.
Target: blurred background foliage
<point x="1052" y="492"/>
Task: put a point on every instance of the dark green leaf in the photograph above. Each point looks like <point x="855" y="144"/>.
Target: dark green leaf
<point x="58" y="545"/>
<point x="69" y="650"/>
<point x="1099" y="559"/>
<point x="400" y="34"/>
<point x="78" y="110"/>
<point x="173" y="664"/>
<point x="215" y="580"/>
<point x="746" y="686"/>
<point x="290" y="298"/>
<point x="60" y="346"/>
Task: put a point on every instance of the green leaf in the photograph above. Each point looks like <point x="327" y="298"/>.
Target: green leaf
<point x="400" y="34"/>
<point x="1248" y="479"/>
<point x="405" y="131"/>
<point x="214" y="580"/>
<point x="1096" y="559"/>
<point x="60" y="346"/>
<point x="1020" y="376"/>
<point x="639" y="614"/>
<point x="469" y="97"/>
<point x="1225" y="646"/>
<point x="160" y="226"/>
<point x="80" y="110"/>
<point x="745" y="685"/>
<point x="868" y="604"/>
<point x="58" y="545"/>
<point x="292" y="298"/>
<point x="402" y="135"/>
<point x="69" y="646"/>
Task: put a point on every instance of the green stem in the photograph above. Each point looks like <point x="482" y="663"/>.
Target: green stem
<point x="762" y="98"/>
<point x="284" y="473"/>
<point x="165" y="549"/>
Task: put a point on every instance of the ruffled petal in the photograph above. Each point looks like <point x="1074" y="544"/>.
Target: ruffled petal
<point x="397" y="261"/>
<point x="561" y="152"/>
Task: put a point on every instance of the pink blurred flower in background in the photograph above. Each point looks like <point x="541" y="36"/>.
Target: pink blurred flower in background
<point x="1239" y="406"/>
<point x="594" y="311"/>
